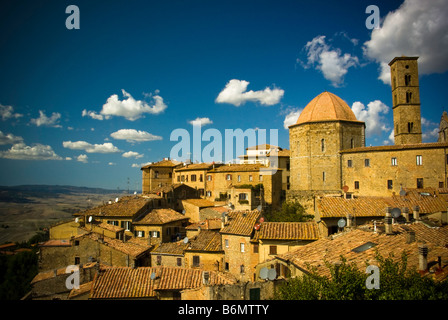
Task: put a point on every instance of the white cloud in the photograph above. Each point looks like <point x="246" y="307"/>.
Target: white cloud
<point x="112" y="164"/>
<point x="132" y="154"/>
<point x="291" y="118"/>
<point x="20" y="151"/>
<point x="132" y="135"/>
<point x="430" y="130"/>
<point x="331" y="62"/>
<point x="9" y="138"/>
<point x="91" y="148"/>
<point x="136" y="165"/>
<point x="235" y="93"/>
<point x="200" y="121"/>
<point x="7" y="112"/>
<point x="416" y="28"/>
<point x="128" y="108"/>
<point x="43" y="120"/>
<point x="82" y="158"/>
<point x="373" y="116"/>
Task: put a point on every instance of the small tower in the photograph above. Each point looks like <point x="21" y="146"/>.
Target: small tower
<point x="406" y="100"/>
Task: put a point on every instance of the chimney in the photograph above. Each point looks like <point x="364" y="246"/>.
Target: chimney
<point x="388" y="221"/>
<point x="349" y="220"/>
<point x="422" y="257"/>
<point x="405" y="211"/>
<point x="410" y="236"/>
<point x="416" y="210"/>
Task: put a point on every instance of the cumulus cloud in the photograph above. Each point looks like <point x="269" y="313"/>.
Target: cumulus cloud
<point x="132" y="135"/>
<point x="132" y="154"/>
<point x="136" y="165"/>
<point x="330" y="61"/>
<point x="91" y="148"/>
<point x="9" y="138"/>
<point x="43" y="120"/>
<point x="291" y="117"/>
<point x="20" y="151"/>
<point x="200" y="121"/>
<point x="82" y="158"/>
<point x="235" y="93"/>
<point x="416" y="28"/>
<point x="430" y="130"/>
<point x="373" y="116"/>
<point x="7" y="112"/>
<point x="128" y="108"/>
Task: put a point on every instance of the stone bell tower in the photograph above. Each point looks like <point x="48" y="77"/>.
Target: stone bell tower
<point x="406" y="100"/>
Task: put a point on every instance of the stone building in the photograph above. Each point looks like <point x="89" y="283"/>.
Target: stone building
<point x="158" y="174"/>
<point x="193" y="175"/>
<point x="329" y="156"/>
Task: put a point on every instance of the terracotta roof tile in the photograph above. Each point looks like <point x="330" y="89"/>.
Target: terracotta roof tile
<point x="397" y="147"/>
<point x="163" y="163"/>
<point x="202" y="203"/>
<point x="125" y="207"/>
<point x="238" y="168"/>
<point x="176" y="248"/>
<point x="241" y="222"/>
<point x="206" y="240"/>
<point x="289" y="231"/>
<point x="160" y="216"/>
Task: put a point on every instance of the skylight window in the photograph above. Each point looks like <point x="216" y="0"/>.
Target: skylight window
<point x="364" y="247"/>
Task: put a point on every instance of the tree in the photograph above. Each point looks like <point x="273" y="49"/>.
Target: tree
<point x="347" y="282"/>
<point x="290" y="212"/>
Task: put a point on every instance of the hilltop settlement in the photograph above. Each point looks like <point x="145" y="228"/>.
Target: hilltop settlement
<point x="200" y="231"/>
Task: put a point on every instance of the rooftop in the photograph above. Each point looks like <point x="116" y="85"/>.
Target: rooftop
<point x="289" y="231"/>
<point x="397" y="147"/>
<point x="163" y="163"/>
<point x="238" y="168"/>
<point x="206" y="240"/>
<point x="125" y="207"/>
<point x="201" y="203"/>
<point x="326" y="107"/>
<point x="241" y="222"/>
<point x="160" y="216"/>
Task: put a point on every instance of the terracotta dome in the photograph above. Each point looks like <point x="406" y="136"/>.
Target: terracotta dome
<point x="326" y="107"/>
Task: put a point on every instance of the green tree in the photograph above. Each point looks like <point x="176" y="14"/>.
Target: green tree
<point x="290" y="212"/>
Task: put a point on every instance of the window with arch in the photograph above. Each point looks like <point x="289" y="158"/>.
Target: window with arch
<point x="408" y="97"/>
<point x="352" y="143"/>
<point x="407" y="79"/>
<point x="410" y="127"/>
<point x="322" y="145"/>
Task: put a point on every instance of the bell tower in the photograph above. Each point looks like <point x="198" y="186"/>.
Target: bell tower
<point x="406" y="100"/>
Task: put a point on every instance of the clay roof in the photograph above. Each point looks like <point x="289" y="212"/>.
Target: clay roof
<point x="207" y="224"/>
<point x="125" y="207"/>
<point x="160" y="216"/>
<point x="126" y="282"/>
<point x="201" y="203"/>
<point x="83" y="288"/>
<point x="45" y="275"/>
<point x="376" y="206"/>
<point x="163" y="163"/>
<point x="195" y="166"/>
<point x="176" y="248"/>
<point x="288" y="231"/>
<point x="326" y="107"/>
<point x="206" y="240"/>
<point x="331" y="249"/>
<point x="238" y="168"/>
<point x="241" y="222"/>
<point x="397" y="147"/>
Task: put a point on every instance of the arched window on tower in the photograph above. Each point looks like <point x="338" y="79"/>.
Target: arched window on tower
<point x="352" y="143"/>
<point x="408" y="97"/>
<point x="410" y="127"/>
<point x="407" y="79"/>
<point x="322" y="142"/>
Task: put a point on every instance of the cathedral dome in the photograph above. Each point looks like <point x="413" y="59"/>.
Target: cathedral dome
<point x="326" y="107"/>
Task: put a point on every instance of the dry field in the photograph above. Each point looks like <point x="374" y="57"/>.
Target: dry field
<point x="19" y="221"/>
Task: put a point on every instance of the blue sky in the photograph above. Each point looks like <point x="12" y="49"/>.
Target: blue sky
<point x="89" y="106"/>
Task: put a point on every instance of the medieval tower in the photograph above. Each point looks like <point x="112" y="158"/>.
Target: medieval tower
<point x="406" y="100"/>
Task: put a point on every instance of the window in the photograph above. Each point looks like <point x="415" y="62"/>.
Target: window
<point x="179" y="262"/>
<point x="209" y="193"/>
<point x="156" y="174"/>
<point x="226" y="266"/>
<point x="242" y="247"/>
<point x="209" y="178"/>
<point x="441" y="184"/>
<point x="287" y="166"/>
<point x="410" y="127"/>
<point x="356" y="184"/>
<point x="250" y="178"/>
<point x="419" y="183"/>
<point x="196" y="261"/>
<point x="226" y="243"/>
<point x="178" y="178"/>
<point x="229" y="177"/>
<point x="419" y="160"/>
<point x="159" y="260"/>
<point x="126" y="225"/>
<point x="77" y="241"/>
<point x="349" y="163"/>
<point x="193" y="178"/>
<point x="260" y="177"/>
<point x="170" y="175"/>
<point x="77" y="260"/>
<point x="155" y="234"/>
<point x="200" y="178"/>
<point x="255" y="246"/>
<point x="366" y="162"/>
<point x="239" y="178"/>
<point x="140" y="234"/>
<point x="272" y="249"/>
<point x="322" y="145"/>
<point x="407" y="79"/>
<point x="393" y="161"/>
<point x="364" y="247"/>
<point x="352" y="143"/>
<point x="390" y="184"/>
<point x="182" y="178"/>
<point x="323" y="176"/>
<point x="242" y="196"/>
<point x="242" y="268"/>
<point x="408" y="97"/>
